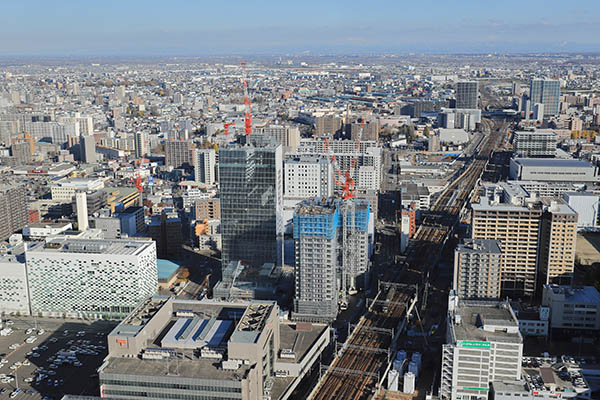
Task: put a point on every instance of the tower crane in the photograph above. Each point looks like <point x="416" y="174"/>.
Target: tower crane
<point x="226" y="127"/>
<point x="348" y="208"/>
<point x="248" y="112"/>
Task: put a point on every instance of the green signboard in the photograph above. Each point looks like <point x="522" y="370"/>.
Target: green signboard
<point x="474" y="388"/>
<point x="470" y="343"/>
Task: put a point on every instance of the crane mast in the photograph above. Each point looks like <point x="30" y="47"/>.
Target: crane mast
<point x="248" y="111"/>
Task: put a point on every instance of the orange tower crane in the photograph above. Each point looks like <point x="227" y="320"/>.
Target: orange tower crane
<point x="248" y="112"/>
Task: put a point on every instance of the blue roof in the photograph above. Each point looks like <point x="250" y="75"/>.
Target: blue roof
<point x="166" y="268"/>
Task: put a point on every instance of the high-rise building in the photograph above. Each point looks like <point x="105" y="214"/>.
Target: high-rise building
<point x="88" y="149"/>
<point x="82" y="211"/>
<point x="308" y="176"/>
<point x="477" y="269"/>
<point x="21" y="152"/>
<point x="546" y="92"/>
<point x="368" y="158"/>
<point x="535" y="144"/>
<point x="466" y="94"/>
<point x="205" y="166"/>
<point x="332" y="255"/>
<point x="370" y="130"/>
<point x="141" y="144"/>
<point x="287" y="136"/>
<point x="328" y="125"/>
<point x="536" y="235"/>
<point x="88" y="277"/>
<point x="318" y="260"/>
<point x="166" y="231"/>
<point x="251" y="193"/>
<point x="558" y="235"/>
<point x="516" y="226"/>
<point x="178" y="153"/>
<point x="483" y="346"/>
<point x="13" y="209"/>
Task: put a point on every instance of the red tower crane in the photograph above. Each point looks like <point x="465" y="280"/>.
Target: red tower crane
<point x="226" y="127"/>
<point x="348" y="185"/>
<point x="247" y="113"/>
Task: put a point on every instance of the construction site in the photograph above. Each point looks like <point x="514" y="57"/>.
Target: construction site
<point x="361" y="365"/>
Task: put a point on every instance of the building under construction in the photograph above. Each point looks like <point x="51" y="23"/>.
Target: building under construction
<point x="332" y="255"/>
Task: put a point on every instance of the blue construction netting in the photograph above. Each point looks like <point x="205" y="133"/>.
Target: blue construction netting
<point x="316" y="224"/>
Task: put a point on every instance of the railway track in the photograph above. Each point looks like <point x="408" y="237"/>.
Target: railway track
<point x="356" y="369"/>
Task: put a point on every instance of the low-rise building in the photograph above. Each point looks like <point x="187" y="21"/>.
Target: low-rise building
<point x="573" y="309"/>
<point x="181" y="349"/>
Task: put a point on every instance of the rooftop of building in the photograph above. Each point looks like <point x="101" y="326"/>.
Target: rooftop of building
<point x="184" y="368"/>
<point x="542" y="374"/>
<point x="537" y="133"/>
<point x="479" y="246"/>
<point x="485" y="321"/>
<point x="583" y="294"/>
<point x="49" y="225"/>
<point x="91" y="246"/>
<point x="166" y="268"/>
<point x="552" y="162"/>
<point x="317" y="206"/>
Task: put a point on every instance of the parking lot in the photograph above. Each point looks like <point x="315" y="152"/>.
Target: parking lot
<point x="47" y="358"/>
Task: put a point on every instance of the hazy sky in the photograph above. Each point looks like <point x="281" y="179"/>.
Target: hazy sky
<point x="198" y="27"/>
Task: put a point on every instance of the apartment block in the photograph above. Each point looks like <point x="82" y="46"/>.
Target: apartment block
<point x="535" y="144"/>
<point x="367" y="153"/>
<point x="205" y="166"/>
<point x="536" y="235"/>
<point x="13" y="209"/>
<point x="308" y="176"/>
<point x="558" y="235"/>
<point x="477" y="269"/>
<point x="178" y="153"/>
<point x="207" y="209"/>
<point x="332" y="255"/>
<point x="328" y="125"/>
<point x="503" y="215"/>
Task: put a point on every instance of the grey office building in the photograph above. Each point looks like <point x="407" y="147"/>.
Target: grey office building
<point x="466" y="94"/>
<point x="251" y="192"/>
<point x="546" y="92"/>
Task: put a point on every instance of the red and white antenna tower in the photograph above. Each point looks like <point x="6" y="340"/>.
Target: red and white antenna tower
<point x="248" y="113"/>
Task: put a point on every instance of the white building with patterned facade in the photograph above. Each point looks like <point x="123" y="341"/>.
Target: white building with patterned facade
<point x="90" y="278"/>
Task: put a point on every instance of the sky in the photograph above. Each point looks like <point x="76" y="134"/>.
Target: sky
<point x="201" y="28"/>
